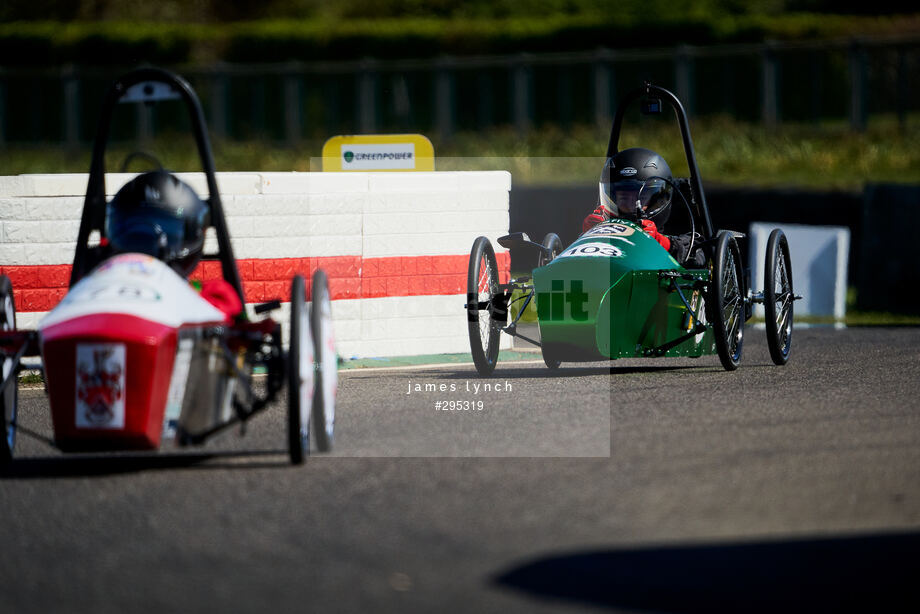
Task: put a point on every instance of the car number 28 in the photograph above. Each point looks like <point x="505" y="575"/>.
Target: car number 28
<point x="593" y="249"/>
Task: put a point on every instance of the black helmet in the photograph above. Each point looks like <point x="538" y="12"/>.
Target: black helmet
<point x="636" y="183"/>
<point x="157" y="214"/>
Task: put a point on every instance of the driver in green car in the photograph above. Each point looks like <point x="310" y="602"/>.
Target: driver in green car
<point x="636" y="185"/>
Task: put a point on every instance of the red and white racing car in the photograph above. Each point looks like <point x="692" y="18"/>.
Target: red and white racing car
<point x="134" y="353"/>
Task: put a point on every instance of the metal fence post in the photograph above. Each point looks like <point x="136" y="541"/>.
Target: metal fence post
<point x="293" y="104"/>
<point x="858" y="106"/>
<point x="728" y="87"/>
<point x="902" y="86"/>
<point x="521" y="98"/>
<point x="71" y="87"/>
<point x="2" y="109"/>
<point x="564" y="93"/>
<point x="683" y="76"/>
<point x="816" y="87"/>
<point x="332" y="101"/>
<point x="219" y="101"/>
<point x="257" y="106"/>
<point x="367" y="96"/>
<point x="36" y="120"/>
<point x="402" y="103"/>
<point x="485" y="117"/>
<point x="444" y="97"/>
<point x="769" y="86"/>
<point x="601" y="80"/>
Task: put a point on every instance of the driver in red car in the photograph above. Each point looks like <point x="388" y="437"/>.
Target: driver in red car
<point x="157" y="214"/>
<point x="636" y="185"/>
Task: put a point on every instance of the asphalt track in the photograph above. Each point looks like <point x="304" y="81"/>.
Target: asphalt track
<point x="662" y="485"/>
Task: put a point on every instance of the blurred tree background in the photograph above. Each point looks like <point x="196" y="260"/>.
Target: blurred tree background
<point x="216" y="11"/>
<point x="409" y="59"/>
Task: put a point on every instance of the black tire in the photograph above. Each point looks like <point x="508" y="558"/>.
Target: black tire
<point x="548" y="359"/>
<point x="483" y="320"/>
<point x="778" y="297"/>
<point x="300" y="372"/>
<point x="9" y="399"/>
<point x="726" y="301"/>
<point x="554" y="243"/>
<point x="326" y="360"/>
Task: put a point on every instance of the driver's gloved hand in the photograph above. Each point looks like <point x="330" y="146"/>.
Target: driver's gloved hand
<point x="649" y="227"/>
<point x="597" y="216"/>
<point x="223" y="296"/>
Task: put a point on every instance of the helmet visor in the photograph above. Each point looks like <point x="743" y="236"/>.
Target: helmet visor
<point x="146" y="230"/>
<point x="634" y="199"/>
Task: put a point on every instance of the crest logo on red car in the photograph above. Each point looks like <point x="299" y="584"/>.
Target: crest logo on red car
<point x="100" y="389"/>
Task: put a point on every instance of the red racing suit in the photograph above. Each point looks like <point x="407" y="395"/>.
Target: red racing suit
<point x="684" y="248"/>
<point x="603" y="214"/>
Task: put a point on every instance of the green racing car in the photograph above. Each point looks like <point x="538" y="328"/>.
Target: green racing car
<point x="616" y="292"/>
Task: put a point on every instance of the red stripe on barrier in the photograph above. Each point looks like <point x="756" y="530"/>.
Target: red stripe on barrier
<point x="41" y="287"/>
<point x="43" y="276"/>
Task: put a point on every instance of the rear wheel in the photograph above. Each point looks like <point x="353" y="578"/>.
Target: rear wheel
<point x="778" y="297"/>
<point x="485" y="310"/>
<point x="326" y="358"/>
<point x="9" y="398"/>
<point x="548" y="359"/>
<point x="300" y="375"/>
<point x="726" y="301"/>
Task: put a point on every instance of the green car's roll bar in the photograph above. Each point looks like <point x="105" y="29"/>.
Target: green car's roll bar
<point x="651" y="105"/>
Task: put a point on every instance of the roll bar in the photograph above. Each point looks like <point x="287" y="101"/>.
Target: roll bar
<point x="149" y="85"/>
<point x="650" y="93"/>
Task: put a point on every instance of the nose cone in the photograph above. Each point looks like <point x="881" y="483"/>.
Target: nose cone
<point x="588" y="290"/>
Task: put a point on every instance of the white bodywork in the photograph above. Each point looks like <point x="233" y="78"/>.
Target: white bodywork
<point x="136" y="285"/>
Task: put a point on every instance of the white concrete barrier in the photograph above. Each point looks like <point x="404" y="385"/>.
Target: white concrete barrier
<point x="394" y="245"/>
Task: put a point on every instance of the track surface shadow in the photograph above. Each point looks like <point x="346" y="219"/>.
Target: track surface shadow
<point x="84" y="465"/>
<point x="875" y="573"/>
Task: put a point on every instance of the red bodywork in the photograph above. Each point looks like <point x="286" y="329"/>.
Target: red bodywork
<point x="149" y="352"/>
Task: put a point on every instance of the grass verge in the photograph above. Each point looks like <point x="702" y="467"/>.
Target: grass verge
<point x="814" y="156"/>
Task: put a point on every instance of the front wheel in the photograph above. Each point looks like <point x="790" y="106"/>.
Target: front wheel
<point x="778" y="297"/>
<point x="9" y="398"/>
<point x="552" y="244"/>
<point x="726" y="301"/>
<point x="485" y="309"/>
<point x="300" y="375"/>
<point x="327" y="368"/>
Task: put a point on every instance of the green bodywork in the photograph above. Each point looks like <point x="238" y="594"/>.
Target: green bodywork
<point x="613" y="294"/>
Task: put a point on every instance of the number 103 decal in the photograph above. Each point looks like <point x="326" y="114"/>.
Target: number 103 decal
<point x="593" y="249"/>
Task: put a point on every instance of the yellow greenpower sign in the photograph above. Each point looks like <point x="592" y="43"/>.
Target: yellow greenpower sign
<point x="378" y="152"/>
